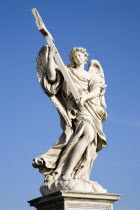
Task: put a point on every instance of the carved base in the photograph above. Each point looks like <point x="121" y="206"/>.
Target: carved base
<point x="72" y="185"/>
<point x="65" y="200"/>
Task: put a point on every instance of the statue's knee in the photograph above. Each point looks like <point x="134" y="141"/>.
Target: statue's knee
<point x="89" y="138"/>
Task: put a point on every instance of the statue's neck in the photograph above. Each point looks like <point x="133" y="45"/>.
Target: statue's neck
<point x="80" y="67"/>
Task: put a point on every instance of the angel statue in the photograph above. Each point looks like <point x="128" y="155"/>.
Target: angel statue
<point x="67" y="164"/>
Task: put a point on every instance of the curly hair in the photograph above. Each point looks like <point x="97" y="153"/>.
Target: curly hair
<point x="80" y="49"/>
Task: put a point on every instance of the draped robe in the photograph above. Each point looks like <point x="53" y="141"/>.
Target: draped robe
<point x="72" y="118"/>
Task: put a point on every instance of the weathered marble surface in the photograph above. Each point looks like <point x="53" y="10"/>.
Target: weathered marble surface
<point x="79" y="98"/>
<point x="65" y="200"/>
<point x="68" y="163"/>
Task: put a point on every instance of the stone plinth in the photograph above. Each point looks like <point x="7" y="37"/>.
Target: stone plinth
<point x="65" y="200"/>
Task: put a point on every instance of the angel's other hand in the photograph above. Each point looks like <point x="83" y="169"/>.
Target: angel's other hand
<point x="82" y="100"/>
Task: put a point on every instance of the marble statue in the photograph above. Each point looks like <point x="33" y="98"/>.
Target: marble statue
<point x="68" y="163"/>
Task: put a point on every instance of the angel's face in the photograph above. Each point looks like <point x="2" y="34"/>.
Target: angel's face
<point x="79" y="57"/>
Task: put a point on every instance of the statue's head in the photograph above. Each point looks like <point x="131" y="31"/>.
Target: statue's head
<point x="78" y="55"/>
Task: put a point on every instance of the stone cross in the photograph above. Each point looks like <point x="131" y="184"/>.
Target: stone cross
<point x="42" y="28"/>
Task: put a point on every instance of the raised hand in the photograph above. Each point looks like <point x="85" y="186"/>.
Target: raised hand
<point x="52" y="51"/>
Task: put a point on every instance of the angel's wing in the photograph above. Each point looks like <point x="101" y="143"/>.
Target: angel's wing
<point x="41" y="64"/>
<point x="95" y="70"/>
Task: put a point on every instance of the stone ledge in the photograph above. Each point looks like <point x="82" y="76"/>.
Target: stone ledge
<point x="65" y="200"/>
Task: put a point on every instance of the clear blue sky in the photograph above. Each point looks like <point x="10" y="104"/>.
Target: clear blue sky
<point x="110" y="30"/>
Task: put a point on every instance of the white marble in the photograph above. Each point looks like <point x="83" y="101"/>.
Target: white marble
<point x="79" y="98"/>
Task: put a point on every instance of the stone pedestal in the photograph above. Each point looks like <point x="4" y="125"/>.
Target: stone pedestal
<point x="65" y="200"/>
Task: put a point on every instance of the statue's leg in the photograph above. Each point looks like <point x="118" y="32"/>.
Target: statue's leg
<point x="79" y="150"/>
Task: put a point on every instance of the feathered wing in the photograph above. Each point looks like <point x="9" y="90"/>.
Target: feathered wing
<point x="95" y="70"/>
<point x="51" y="89"/>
